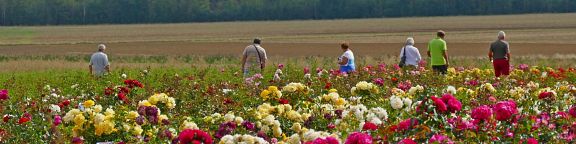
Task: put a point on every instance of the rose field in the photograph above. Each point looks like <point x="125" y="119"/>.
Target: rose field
<point x="293" y="104"/>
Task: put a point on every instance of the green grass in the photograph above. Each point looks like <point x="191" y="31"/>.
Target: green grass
<point x="17" y="35"/>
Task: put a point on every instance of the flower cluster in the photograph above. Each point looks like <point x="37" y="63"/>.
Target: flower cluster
<point x="364" y="87"/>
<point x="271" y="92"/>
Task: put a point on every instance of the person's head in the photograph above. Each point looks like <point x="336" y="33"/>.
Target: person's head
<point x="257" y="41"/>
<point x="101" y="47"/>
<point x="501" y="35"/>
<point x="441" y="34"/>
<point x="410" y="41"/>
<point x="344" y="45"/>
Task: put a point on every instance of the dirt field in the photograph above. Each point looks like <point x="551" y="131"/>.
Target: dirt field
<point x="533" y="35"/>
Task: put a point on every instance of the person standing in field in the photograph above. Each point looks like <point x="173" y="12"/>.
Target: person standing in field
<point x="499" y="55"/>
<point x="411" y="54"/>
<point x="254" y="58"/>
<point x="346" y="61"/>
<point x="438" y="53"/>
<point x="99" y="64"/>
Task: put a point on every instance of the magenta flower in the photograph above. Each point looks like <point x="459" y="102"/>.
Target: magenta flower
<point x="453" y="104"/>
<point x="439" y="138"/>
<point x="379" y="81"/>
<point x="407" y="124"/>
<point x="407" y="141"/>
<point x="280" y="66"/>
<point x="306" y="70"/>
<point x="572" y="111"/>
<point x="57" y="120"/>
<point x="481" y="113"/>
<point x="440" y="105"/>
<point x="504" y="110"/>
<point x="327" y="140"/>
<point x="359" y="138"/>
<point x="4" y="94"/>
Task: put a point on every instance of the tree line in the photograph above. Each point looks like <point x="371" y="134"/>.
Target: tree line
<point x="59" y="12"/>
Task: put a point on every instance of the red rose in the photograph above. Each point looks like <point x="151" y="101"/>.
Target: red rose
<point x="544" y="95"/>
<point x="369" y="126"/>
<point x="121" y="96"/>
<point x="283" y="101"/>
<point x="66" y="102"/>
<point x="6" y="118"/>
<point x="23" y="120"/>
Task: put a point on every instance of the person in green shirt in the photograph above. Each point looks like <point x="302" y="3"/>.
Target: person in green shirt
<point x="438" y="53"/>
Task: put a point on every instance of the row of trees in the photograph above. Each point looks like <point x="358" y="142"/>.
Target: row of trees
<point x="56" y="12"/>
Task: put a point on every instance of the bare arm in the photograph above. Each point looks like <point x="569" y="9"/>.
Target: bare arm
<point x="90" y="68"/>
<point x="508" y="56"/>
<point x="243" y="61"/>
<point x="490" y="55"/>
<point x="429" y="54"/>
<point x="107" y="68"/>
<point x="445" y="53"/>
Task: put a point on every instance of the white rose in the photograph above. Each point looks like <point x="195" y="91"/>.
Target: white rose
<point x="396" y="102"/>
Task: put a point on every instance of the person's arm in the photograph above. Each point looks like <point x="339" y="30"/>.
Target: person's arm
<point x="244" y="57"/>
<point x="508" y="51"/>
<point x="445" y="53"/>
<point x="107" y="68"/>
<point x="490" y="55"/>
<point x="418" y="56"/>
<point x="90" y="68"/>
<point x="263" y="63"/>
<point x="428" y="51"/>
<point x="107" y="63"/>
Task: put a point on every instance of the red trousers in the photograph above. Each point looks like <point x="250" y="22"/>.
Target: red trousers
<point x="501" y="67"/>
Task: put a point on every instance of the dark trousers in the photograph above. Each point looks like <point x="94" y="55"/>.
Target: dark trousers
<point x="442" y="69"/>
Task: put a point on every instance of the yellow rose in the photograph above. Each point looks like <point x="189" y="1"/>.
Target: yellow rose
<point x="332" y="91"/>
<point x="154" y="99"/>
<point x="137" y="131"/>
<point x="79" y="120"/>
<point x="132" y="115"/>
<point x="272" y="88"/>
<point x="265" y="94"/>
<point x="89" y="103"/>
<point x="171" y="103"/>
<point x="144" y="103"/>
<point x="340" y="101"/>
<point x="162" y="117"/>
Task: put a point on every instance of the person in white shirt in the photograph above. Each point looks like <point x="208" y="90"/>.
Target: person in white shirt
<point x="99" y="64"/>
<point x="346" y="61"/>
<point x="254" y="58"/>
<point x="412" y="54"/>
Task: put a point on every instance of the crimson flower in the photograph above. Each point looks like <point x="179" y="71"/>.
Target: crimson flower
<point x="369" y="126"/>
<point x="190" y="136"/>
<point x="545" y="95"/>
<point x="440" y="105"/>
<point x="23" y="120"/>
<point x="283" y="101"/>
<point x="407" y="141"/>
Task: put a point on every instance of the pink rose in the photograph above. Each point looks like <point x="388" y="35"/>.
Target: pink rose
<point x="504" y="110"/>
<point x="359" y="138"/>
<point x="481" y="113"/>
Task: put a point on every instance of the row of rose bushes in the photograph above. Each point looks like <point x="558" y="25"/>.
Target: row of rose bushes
<point x="375" y="105"/>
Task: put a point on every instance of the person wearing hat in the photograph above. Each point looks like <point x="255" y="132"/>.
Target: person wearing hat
<point x="254" y="58"/>
<point x="411" y="54"/>
<point x="99" y="64"/>
<point x="499" y="54"/>
<point x="438" y="53"/>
